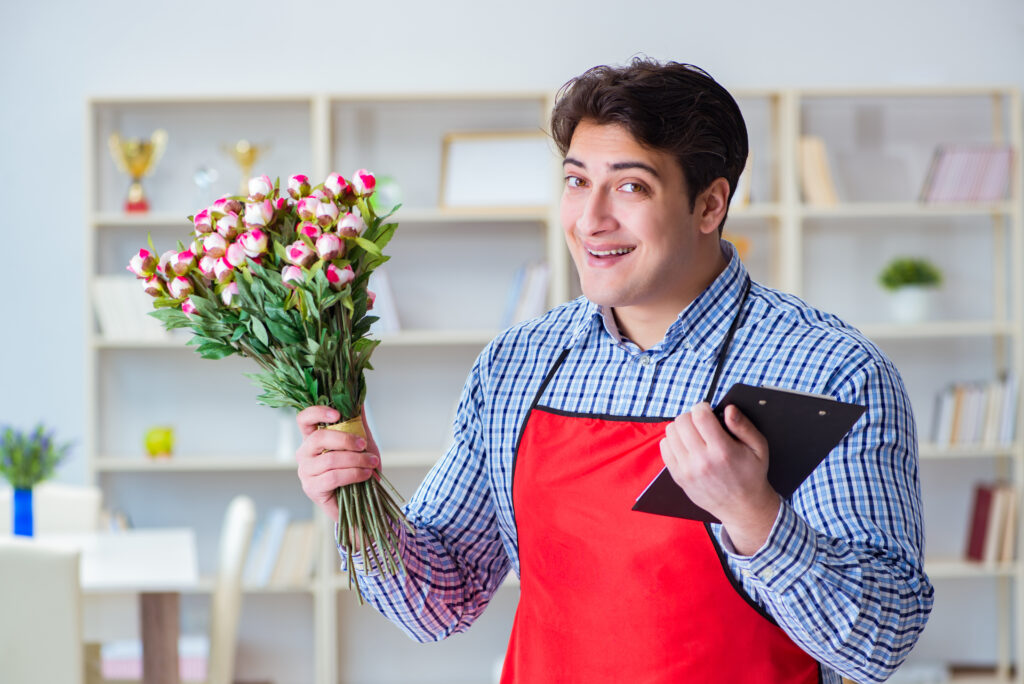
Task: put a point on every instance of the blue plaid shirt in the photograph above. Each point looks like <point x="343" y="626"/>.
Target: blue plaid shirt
<point x="842" y="570"/>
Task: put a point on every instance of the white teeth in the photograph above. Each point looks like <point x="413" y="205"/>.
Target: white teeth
<point x="610" y="252"/>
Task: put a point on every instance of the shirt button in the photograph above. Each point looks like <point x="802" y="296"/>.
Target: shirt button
<point x="645" y="361"/>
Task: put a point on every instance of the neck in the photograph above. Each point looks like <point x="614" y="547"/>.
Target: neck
<point x="646" y="324"/>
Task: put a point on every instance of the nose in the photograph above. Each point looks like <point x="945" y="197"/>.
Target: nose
<point x="596" y="215"/>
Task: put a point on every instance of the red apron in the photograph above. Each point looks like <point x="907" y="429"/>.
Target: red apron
<point x="609" y="594"/>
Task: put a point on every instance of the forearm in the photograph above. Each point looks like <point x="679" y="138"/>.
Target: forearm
<point x="857" y="608"/>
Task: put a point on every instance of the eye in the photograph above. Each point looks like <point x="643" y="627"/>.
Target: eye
<point x="574" y="182"/>
<point x="633" y="187"/>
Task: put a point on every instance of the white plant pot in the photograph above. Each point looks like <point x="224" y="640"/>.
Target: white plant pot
<point x="911" y="303"/>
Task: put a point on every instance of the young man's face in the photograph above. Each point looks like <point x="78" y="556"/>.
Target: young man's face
<point x="628" y="223"/>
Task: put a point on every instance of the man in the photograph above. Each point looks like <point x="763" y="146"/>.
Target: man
<point x="565" y="418"/>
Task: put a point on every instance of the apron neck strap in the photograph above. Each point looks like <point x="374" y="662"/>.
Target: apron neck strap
<point x="724" y="350"/>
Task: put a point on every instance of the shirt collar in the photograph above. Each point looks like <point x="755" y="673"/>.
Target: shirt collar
<point x="702" y="325"/>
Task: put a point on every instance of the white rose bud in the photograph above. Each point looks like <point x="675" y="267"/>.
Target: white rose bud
<point x="260" y="188"/>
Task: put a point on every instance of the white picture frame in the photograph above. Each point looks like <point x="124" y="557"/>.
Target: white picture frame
<point x="497" y="170"/>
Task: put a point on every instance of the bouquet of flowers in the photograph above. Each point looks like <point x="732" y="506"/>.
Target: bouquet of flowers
<point x="281" y="278"/>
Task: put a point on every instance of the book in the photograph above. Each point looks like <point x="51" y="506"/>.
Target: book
<point x="801" y="430"/>
<point x="1008" y="543"/>
<point x="533" y="295"/>
<point x="265" y="548"/>
<point x="977" y="527"/>
<point x="121" y="307"/>
<point x="292" y="564"/>
<point x="968" y="173"/>
<point x="815" y="172"/>
<point x="384" y="306"/>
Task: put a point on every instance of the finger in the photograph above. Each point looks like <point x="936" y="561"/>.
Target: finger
<point x="688" y="434"/>
<point x="337" y="460"/>
<point x="312" y="417"/>
<point x="320" y="441"/>
<point x="745" y="431"/>
<point x="708" y="426"/>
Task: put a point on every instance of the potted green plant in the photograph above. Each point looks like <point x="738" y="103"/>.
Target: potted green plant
<point x="26" y="459"/>
<point x="911" y="282"/>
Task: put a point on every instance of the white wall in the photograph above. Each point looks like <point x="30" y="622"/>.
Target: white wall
<point x="54" y="55"/>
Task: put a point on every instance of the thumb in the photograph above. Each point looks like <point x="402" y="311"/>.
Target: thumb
<point x="745" y="432"/>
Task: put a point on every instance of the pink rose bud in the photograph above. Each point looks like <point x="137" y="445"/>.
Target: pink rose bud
<point x="203" y="222"/>
<point x="223" y="271"/>
<point x="339" y="277"/>
<point x="179" y="287"/>
<point x="336" y="187"/>
<point x="258" y="214"/>
<point x="320" y="195"/>
<point x="229" y="293"/>
<point x="152" y="286"/>
<point x="215" y="245"/>
<point x="327" y="213"/>
<point x="351" y="225"/>
<point x="363" y="182"/>
<point x="260" y="188"/>
<point x="166" y="260"/>
<point x="228" y="225"/>
<point x="310" y="230"/>
<point x="254" y="242"/>
<point x="235" y="254"/>
<point x="298" y="186"/>
<point x="282" y="203"/>
<point x="300" y="254"/>
<point x="290" y="274"/>
<point x="306" y="208"/>
<point x="226" y="204"/>
<point x="182" y="262"/>
<point x="143" y="264"/>
<point x="328" y="246"/>
<point x="371" y="297"/>
<point x="206" y="265"/>
<point x="188" y="307"/>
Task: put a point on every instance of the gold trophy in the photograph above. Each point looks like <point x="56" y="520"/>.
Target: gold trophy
<point x="137" y="157"/>
<point x="245" y="155"/>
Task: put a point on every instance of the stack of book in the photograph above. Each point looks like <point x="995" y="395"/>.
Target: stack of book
<point x="528" y="295"/>
<point x="816" y="173"/>
<point x="121" y="310"/>
<point x="976" y="413"/>
<point x="968" y="173"/>
<point x="283" y="552"/>
<point x="992" y="527"/>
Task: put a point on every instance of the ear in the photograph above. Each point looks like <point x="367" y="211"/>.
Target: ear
<point x="712" y="205"/>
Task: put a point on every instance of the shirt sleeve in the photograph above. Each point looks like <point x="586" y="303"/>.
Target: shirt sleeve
<point x="453" y="556"/>
<point x="842" y="570"/>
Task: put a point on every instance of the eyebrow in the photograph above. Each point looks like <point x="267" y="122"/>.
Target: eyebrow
<point x="617" y="166"/>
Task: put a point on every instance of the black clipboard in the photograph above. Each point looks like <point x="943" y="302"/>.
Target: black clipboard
<point x="801" y="430"/>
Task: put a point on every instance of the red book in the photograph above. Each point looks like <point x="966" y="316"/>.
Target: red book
<point x="977" y="528"/>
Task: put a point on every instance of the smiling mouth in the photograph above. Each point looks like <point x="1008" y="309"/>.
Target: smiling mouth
<point x="610" y="252"/>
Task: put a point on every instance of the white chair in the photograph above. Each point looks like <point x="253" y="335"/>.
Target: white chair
<point x="41" y="619"/>
<point x="225" y="603"/>
<point x="56" y="508"/>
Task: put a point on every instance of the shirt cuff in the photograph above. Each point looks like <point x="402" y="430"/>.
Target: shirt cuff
<point x="363" y="561"/>
<point x="786" y="556"/>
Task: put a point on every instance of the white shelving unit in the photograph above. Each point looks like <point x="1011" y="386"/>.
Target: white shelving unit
<point x="450" y="272"/>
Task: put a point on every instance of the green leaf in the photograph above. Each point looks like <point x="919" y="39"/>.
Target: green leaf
<point x="370" y="247"/>
<point x="259" y="330"/>
<point x="284" y="333"/>
<point x="212" y="350"/>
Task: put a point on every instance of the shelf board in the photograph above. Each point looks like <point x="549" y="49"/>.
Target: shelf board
<point x="934" y="451"/>
<point x="961" y="569"/>
<point x="757" y="210"/>
<point x="906" y="210"/>
<point x="153" y="220"/>
<point x="936" y="329"/>
<point x="403" y="216"/>
<point x="410" y="458"/>
<point x="189" y="464"/>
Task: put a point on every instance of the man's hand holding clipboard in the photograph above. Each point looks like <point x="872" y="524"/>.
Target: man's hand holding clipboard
<point x="800" y="429"/>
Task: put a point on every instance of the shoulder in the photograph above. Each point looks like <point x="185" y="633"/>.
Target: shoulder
<point x="537" y="340"/>
<point x="838" y="353"/>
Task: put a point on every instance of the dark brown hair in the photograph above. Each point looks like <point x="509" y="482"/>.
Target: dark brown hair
<point x="672" y="107"/>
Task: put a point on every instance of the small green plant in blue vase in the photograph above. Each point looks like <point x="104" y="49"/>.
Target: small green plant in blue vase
<point x="26" y="459"/>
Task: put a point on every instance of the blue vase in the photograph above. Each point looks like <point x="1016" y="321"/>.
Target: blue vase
<point x="23" y="512"/>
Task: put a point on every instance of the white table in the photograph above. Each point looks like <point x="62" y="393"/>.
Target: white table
<point x="156" y="564"/>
